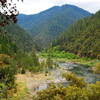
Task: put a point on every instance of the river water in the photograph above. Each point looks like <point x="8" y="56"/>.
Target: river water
<point x="80" y="70"/>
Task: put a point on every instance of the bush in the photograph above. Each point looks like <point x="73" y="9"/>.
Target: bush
<point x="60" y="54"/>
<point x="27" y="61"/>
<point x="96" y="69"/>
<point x="6" y="60"/>
<point x="23" y="71"/>
<point x="74" y="80"/>
<point x="71" y="92"/>
<point x="3" y="90"/>
<point x="7" y="80"/>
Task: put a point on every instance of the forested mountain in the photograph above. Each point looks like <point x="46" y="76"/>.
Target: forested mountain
<point x="49" y="24"/>
<point x="13" y="38"/>
<point x="83" y="37"/>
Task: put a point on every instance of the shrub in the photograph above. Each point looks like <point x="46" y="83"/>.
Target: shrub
<point x="23" y="71"/>
<point x="6" y="60"/>
<point x="74" y="80"/>
<point x="3" y="90"/>
<point x="96" y="69"/>
<point x="7" y="80"/>
<point x="58" y="92"/>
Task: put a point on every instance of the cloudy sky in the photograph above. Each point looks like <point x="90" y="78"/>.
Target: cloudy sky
<point x="35" y="6"/>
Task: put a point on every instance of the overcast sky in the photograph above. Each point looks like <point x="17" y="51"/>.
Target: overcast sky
<point x="36" y="6"/>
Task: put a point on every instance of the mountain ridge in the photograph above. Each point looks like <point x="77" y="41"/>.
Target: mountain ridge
<point x="55" y="7"/>
<point x="47" y="25"/>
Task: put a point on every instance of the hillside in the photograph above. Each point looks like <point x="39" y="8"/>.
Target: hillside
<point x="49" y="24"/>
<point x="14" y="37"/>
<point x="82" y="38"/>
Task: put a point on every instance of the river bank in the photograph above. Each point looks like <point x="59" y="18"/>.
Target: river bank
<point x="69" y="57"/>
<point x="28" y="84"/>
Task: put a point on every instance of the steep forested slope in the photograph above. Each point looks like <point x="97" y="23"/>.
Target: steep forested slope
<point x="47" y="25"/>
<point x="83" y="37"/>
<point x="12" y="37"/>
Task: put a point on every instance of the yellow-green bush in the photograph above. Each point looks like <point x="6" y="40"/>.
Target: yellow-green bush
<point x="71" y="92"/>
<point x="74" y="80"/>
<point x="96" y="69"/>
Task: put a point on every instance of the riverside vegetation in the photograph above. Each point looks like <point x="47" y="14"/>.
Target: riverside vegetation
<point x="77" y="90"/>
<point x="63" y="56"/>
<point x="20" y="63"/>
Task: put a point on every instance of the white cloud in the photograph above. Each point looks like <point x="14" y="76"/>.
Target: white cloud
<point x="35" y="6"/>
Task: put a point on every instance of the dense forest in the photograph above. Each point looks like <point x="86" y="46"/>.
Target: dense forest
<point x="82" y="38"/>
<point x="49" y="24"/>
<point x="14" y="37"/>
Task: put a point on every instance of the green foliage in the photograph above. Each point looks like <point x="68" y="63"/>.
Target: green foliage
<point x="94" y="92"/>
<point x="35" y="58"/>
<point x="74" y="80"/>
<point x="49" y="61"/>
<point x="7" y="75"/>
<point x="23" y="60"/>
<point x="19" y="63"/>
<point x="23" y="71"/>
<point x="3" y="90"/>
<point x="6" y="60"/>
<point x="7" y="80"/>
<point x="14" y="38"/>
<point x="71" y="92"/>
<point x="6" y="45"/>
<point x="49" y="24"/>
<point x="56" y="53"/>
<point x="96" y="69"/>
<point x="82" y="38"/>
<point x="27" y="61"/>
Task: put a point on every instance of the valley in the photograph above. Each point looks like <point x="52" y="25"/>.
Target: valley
<point x="51" y="55"/>
<point x="46" y="26"/>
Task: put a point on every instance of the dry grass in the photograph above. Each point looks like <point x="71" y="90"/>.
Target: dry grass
<point x="26" y="84"/>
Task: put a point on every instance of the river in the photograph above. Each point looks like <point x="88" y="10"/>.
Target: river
<point x="80" y="70"/>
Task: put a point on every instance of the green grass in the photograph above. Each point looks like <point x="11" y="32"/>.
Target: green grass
<point x="70" y="57"/>
<point x="59" y="54"/>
